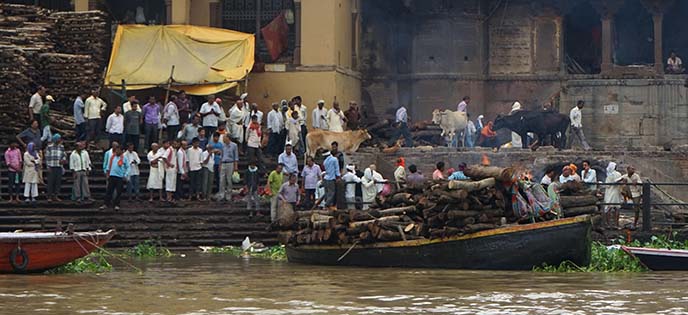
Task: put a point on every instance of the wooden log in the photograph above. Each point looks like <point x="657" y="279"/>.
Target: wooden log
<point x="320" y="217"/>
<point x="400" y="198"/>
<point x="470" y="186"/>
<point x="456" y="195"/>
<point x="392" y="211"/>
<point x="478" y="172"/>
<point x="572" y="212"/>
<point x="366" y="237"/>
<point x="472" y="228"/>
<point x="388" y="236"/>
<point x="321" y="225"/>
<point x="577" y="201"/>
<point x="342" y="238"/>
<point x="358" y="215"/>
<point x="308" y="214"/>
<point x="460" y="214"/>
<point x="354" y="225"/>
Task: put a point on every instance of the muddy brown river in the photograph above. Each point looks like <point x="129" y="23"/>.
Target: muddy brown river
<point x="221" y="284"/>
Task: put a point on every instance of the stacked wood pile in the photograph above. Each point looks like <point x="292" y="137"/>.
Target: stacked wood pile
<point x="438" y="209"/>
<point x="87" y="29"/>
<point x="68" y="75"/>
<point x="14" y="87"/>
<point x="576" y="199"/>
<point x="423" y="132"/>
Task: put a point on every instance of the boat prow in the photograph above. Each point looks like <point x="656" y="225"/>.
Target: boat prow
<point x="513" y="247"/>
<point x="659" y="259"/>
<point x="24" y="252"/>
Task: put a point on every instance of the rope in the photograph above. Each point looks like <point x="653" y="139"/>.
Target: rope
<point x="130" y="265"/>
<point x="349" y="250"/>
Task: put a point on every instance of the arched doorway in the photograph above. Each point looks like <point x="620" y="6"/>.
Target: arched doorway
<point x="633" y="35"/>
<point x="583" y="39"/>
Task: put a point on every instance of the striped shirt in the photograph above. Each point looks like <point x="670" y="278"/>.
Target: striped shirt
<point x="54" y="155"/>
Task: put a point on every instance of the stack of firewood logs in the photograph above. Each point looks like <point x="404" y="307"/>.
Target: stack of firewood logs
<point x="78" y="32"/>
<point x="14" y="87"/>
<point x="423" y="132"/>
<point x="576" y="198"/>
<point x="436" y="210"/>
<point x="67" y="75"/>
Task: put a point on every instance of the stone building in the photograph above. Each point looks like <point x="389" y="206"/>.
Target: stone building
<point x="428" y="54"/>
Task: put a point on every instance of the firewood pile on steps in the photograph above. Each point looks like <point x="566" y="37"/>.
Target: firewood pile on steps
<point x="64" y="51"/>
<point x="438" y="209"/>
<point x="576" y="198"/>
<point x="76" y="30"/>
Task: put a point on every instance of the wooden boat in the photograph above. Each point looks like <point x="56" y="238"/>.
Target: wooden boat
<point x="659" y="258"/>
<point x="24" y="252"/>
<point x="513" y="247"/>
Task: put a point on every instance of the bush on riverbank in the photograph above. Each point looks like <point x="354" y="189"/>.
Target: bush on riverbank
<point x="278" y="252"/>
<point x="149" y="248"/>
<point x="605" y="259"/>
<point x="94" y="262"/>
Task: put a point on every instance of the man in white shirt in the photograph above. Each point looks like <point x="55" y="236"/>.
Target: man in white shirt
<point x="463" y="105"/>
<point x="253" y="110"/>
<point x="170" y="118"/>
<point x="335" y="118"/>
<point x="303" y="117"/>
<point x="235" y="126"/>
<point x="320" y="116"/>
<point x="36" y="103"/>
<point x="195" y="157"/>
<point x="674" y="64"/>
<point x="94" y="106"/>
<point x="350" y="180"/>
<point x="589" y="175"/>
<point x="127" y="105"/>
<point x="80" y="164"/>
<point x="133" y="183"/>
<point x="210" y="111"/>
<point x="114" y="126"/>
<point x="401" y="123"/>
<point x="275" y="127"/>
<point x="288" y="159"/>
<point x="182" y="168"/>
<point x="577" y="125"/>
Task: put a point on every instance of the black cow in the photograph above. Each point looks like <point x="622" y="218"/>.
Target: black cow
<point x="544" y="124"/>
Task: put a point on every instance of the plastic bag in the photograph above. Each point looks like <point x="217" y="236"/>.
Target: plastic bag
<point x="236" y="178"/>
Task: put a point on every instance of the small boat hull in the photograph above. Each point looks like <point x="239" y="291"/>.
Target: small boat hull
<point x="659" y="259"/>
<point x="517" y="247"/>
<point x="39" y="251"/>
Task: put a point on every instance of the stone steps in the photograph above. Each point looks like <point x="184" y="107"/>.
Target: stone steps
<point x="186" y="225"/>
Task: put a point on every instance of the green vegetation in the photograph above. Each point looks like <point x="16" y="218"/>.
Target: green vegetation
<point x="278" y="252"/>
<point x="149" y="248"/>
<point x="94" y="262"/>
<point x="615" y="260"/>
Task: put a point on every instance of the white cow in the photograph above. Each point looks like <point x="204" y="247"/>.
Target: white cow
<point x="451" y="122"/>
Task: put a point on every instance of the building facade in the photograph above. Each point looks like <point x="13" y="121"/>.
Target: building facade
<point x="428" y="54"/>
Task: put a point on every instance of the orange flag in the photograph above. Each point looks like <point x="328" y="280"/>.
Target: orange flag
<point x="275" y="35"/>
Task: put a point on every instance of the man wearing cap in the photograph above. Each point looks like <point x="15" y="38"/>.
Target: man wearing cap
<point x="275" y="126"/>
<point x="351" y="180"/>
<point x="320" y="116"/>
<point x="55" y="158"/>
<point x="288" y="158"/>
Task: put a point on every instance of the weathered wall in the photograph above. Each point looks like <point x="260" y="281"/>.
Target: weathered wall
<point x="318" y="32"/>
<point x="200" y="12"/>
<point x="631" y="113"/>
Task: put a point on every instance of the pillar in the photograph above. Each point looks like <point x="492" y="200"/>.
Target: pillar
<point x="297" y="26"/>
<point x="168" y="11"/>
<point x="180" y="10"/>
<point x="659" y="56"/>
<point x="81" y="5"/>
<point x="607" y="45"/>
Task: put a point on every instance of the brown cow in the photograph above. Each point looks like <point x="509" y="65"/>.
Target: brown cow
<point x="349" y="141"/>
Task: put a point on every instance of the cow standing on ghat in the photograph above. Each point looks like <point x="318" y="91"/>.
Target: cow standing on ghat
<point x="349" y="141"/>
<point x="451" y="122"/>
<point x="541" y="123"/>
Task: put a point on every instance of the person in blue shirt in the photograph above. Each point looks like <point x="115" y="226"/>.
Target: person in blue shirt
<point x="116" y="174"/>
<point x="108" y="154"/>
<point x="217" y="149"/>
<point x="332" y="175"/>
<point x="459" y="175"/>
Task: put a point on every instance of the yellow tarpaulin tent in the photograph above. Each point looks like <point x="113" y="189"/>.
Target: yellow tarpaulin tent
<point x="207" y="60"/>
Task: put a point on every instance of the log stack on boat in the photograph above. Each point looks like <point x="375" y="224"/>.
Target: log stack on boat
<point x="439" y="209"/>
<point x="577" y="199"/>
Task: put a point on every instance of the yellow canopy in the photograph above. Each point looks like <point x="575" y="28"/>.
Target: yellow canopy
<point x="207" y="60"/>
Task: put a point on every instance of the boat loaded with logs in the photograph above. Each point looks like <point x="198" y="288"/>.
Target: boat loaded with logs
<point x="25" y="252"/>
<point x="496" y="220"/>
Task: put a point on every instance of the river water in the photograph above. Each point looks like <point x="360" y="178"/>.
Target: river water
<point x="221" y="284"/>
